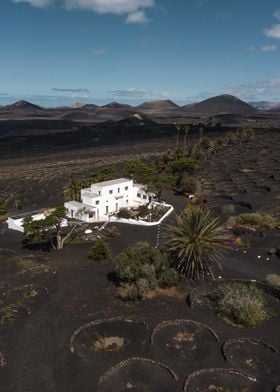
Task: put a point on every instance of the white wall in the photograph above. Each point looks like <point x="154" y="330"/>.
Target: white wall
<point x="112" y="197"/>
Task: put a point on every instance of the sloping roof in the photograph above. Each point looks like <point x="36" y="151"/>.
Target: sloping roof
<point x="112" y="182"/>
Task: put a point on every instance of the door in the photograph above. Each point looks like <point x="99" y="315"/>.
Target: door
<point x="107" y="210"/>
<point x="117" y="206"/>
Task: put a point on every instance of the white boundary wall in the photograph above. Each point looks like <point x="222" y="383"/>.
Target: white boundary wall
<point x="141" y="222"/>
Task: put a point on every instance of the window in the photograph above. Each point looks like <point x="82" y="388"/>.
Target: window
<point x="97" y="202"/>
<point x="144" y="197"/>
<point x="110" y="191"/>
<point x="139" y="195"/>
<point x="119" y="190"/>
<point x="126" y="188"/>
<point x="99" y="192"/>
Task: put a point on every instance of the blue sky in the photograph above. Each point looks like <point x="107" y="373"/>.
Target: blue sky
<point x="56" y="52"/>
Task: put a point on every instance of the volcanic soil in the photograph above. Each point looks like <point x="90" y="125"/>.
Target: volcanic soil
<point x="67" y="330"/>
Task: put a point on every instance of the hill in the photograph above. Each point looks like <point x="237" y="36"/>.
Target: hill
<point x="221" y="104"/>
<point x="116" y="105"/>
<point x="158" y="105"/>
<point x="22" y="105"/>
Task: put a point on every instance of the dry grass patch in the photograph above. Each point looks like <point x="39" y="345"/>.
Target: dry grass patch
<point x="172" y="292"/>
<point x="273" y="279"/>
<point x="107" y="343"/>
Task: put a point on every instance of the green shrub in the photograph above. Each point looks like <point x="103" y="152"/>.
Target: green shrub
<point x="273" y="279"/>
<point x="228" y="209"/>
<point x="133" y="293"/>
<point x="241" y="303"/>
<point x="3" y="207"/>
<point x="271" y="251"/>
<point x="257" y="219"/>
<point x="143" y="268"/>
<point x="124" y="213"/>
<point x="168" y="278"/>
<point x="100" y="251"/>
<point x="187" y="184"/>
<point x="143" y="211"/>
<point x="138" y="261"/>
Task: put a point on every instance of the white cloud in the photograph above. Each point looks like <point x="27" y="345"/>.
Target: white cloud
<point x="277" y="14"/>
<point x="70" y="90"/>
<point x="252" y="48"/>
<point x="133" y="9"/>
<point x="268" y="48"/>
<point x="137" y="17"/>
<point x="265" y="89"/>
<point x="264" y="48"/>
<point x="35" y="3"/>
<point x="138" y="93"/>
<point x="118" y="7"/>
<point x="272" y="31"/>
<point x="99" y="51"/>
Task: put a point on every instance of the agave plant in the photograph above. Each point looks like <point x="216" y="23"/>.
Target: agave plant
<point x="196" y="243"/>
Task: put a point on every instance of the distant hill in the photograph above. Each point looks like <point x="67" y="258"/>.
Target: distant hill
<point x="221" y="104"/>
<point x="77" y="115"/>
<point x="22" y="105"/>
<point x="265" y="105"/>
<point x="116" y="105"/>
<point x="89" y="106"/>
<point x="158" y="105"/>
<point x="275" y="106"/>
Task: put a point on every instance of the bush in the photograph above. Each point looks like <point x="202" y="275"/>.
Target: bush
<point x="273" y="279"/>
<point x="271" y="251"/>
<point x="124" y="213"/>
<point x="168" y="278"/>
<point x="136" y="262"/>
<point x="143" y="268"/>
<point x="257" y="219"/>
<point x="100" y="251"/>
<point x="133" y="293"/>
<point x="187" y="184"/>
<point x="111" y="232"/>
<point x="143" y="211"/>
<point x="241" y="303"/>
<point x="228" y="209"/>
<point x="3" y="207"/>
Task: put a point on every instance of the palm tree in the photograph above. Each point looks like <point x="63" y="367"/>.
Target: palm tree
<point x="196" y="243"/>
<point x="201" y="130"/>
<point x="178" y="130"/>
<point x="73" y="190"/>
<point x="186" y="129"/>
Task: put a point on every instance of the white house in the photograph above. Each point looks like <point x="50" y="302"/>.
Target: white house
<point x="16" y="222"/>
<point x="105" y="198"/>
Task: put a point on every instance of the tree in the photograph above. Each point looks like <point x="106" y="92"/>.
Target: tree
<point x="3" y="207"/>
<point x="140" y="171"/>
<point x="100" y="251"/>
<point x="49" y="229"/>
<point x="187" y="184"/>
<point x="183" y="166"/>
<point x="196" y="243"/>
<point x="247" y="133"/>
<point x="73" y="190"/>
<point x="160" y="183"/>
<point x="105" y="174"/>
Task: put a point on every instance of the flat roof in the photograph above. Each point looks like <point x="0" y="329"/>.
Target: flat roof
<point x="77" y="204"/>
<point x="25" y="214"/>
<point x="112" y="182"/>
